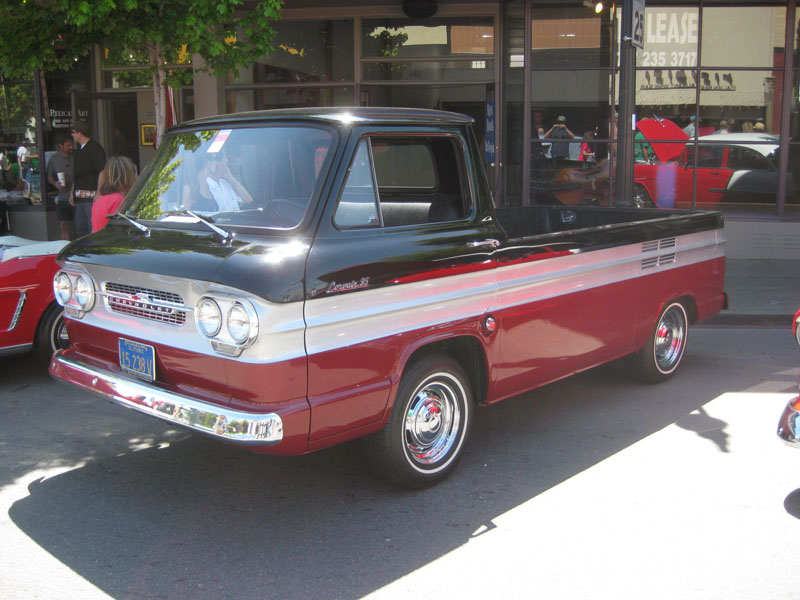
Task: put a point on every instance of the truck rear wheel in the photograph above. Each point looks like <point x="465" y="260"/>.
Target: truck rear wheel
<point x="430" y="420"/>
<point x="660" y="357"/>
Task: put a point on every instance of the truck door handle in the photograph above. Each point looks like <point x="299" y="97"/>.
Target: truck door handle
<point x="484" y="244"/>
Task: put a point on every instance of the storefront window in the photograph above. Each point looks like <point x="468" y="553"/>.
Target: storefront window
<point x="571" y="36"/>
<point x="461" y="70"/>
<point x="743" y="36"/>
<point x="429" y="38"/>
<point x="129" y="69"/>
<point x="708" y="78"/>
<point x="294" y="97"/>
<point x="306" y="51"/>
<point x="570" y="122"/>
<point x="18" y="153"/>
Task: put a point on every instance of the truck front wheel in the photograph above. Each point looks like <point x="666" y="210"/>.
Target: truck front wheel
<point x="659" y="358"/>
<point x="425" y="435"/>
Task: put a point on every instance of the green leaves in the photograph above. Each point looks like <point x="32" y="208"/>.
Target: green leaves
<point x="74" y="26"/>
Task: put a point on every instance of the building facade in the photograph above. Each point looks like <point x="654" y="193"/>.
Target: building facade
<point x="716" y="91"/>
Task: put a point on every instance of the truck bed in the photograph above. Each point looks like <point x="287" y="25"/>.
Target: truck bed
<point x="527" y="221"/>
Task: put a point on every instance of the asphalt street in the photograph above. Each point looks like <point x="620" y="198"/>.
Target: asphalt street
<point x="594" y="487"/>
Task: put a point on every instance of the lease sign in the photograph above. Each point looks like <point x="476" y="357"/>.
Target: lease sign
<point x="637" y="25"/>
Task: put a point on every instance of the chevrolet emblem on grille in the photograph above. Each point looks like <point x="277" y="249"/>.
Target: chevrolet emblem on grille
<point x="142" y="303"/>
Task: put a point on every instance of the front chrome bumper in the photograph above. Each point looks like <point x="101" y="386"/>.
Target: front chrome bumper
<point x="789" y="425"/>
<point x="238" y="427"/>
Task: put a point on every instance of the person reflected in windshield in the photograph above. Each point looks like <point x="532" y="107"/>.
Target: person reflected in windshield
<point x="116" y="179"/>
<point x="215" y="188"/>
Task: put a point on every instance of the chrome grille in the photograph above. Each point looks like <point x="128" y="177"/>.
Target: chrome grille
<point x="145" y="303"/>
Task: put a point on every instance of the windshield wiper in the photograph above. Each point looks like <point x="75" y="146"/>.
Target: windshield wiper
<point x="143" y="228"/>
<point x="226" y="236"/>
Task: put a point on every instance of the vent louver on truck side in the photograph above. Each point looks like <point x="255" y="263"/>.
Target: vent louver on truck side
<point x="655" y="246"/>
<point x="145" y="303"/>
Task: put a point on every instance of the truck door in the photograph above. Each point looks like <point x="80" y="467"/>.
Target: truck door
<point x="404" y="253"/>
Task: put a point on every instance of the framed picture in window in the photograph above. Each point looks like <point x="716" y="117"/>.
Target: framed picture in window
<point x="148" y="134"/>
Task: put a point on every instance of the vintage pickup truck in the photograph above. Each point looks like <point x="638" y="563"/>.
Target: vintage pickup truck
<point x="290" y="280"/>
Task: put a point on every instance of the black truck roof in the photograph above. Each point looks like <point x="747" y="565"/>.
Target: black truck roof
<point x="339" y="115"/>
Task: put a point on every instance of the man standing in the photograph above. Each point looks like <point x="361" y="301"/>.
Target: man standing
<point x="90" y="159"/>
<point x="59" y="174"/>
<point x="559" y="131"/>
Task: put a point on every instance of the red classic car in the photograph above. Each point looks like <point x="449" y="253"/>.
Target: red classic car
<point x="796" y="327"/>
<point x="789" y="424"/>
<point x="735" y="167"/>
<point x="29" y="315"/>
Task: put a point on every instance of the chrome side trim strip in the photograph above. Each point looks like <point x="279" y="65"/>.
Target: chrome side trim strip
<point x="342" y="320"/>
<point x="20" y="304"/>
<point x="19" y="349"/>
<point x="238" y="427"/>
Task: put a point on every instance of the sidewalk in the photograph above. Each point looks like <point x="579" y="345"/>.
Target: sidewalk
<point x="760" y="293"/>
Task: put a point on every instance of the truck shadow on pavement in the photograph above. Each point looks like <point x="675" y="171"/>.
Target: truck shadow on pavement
<point x="182" y="516"/>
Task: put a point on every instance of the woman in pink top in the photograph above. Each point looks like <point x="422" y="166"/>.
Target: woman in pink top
<point x="115" y="181"/>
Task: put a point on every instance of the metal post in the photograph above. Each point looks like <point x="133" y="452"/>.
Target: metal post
<point x="38" y="96"/>
<point x="627" y="69"/>
<point x="786" y="113"/>
<point x="526" y="107"/>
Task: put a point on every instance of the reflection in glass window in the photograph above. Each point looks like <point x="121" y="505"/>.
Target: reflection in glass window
<point x="290" y="97"/>
<point x="306" y="51"/>
<point x="670" y="41"/>
<point x="19" y="162"/>
<point x="461" y="70"/>
<point x="743" y="36"/>
<point x="739" y="101"/>
<point x="262" y="177"/>
<point x="358" y="204"/>
<point x="573" y="36"/>
<point x="429" y="38"/>
<point x="581" y="97"/>
<point x="575" y="182"/>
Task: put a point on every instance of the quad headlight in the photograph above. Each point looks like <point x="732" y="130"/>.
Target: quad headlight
<point x="209" y="317"/>
<point x="74" y="291"/>
<point x="229" y="323"/>
<point x="84" y="293"/>
<point x="238" y="323"/>
<point x="62" y="286"/>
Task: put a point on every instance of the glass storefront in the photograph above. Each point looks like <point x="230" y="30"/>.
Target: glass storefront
<point x="18" y="141"/>
<point x="21" y="141"/>
<point x="716" y="93"/>
<point x="312" y="65"/>
<point x="710" y="105"/>
<point x="442" y="63"/>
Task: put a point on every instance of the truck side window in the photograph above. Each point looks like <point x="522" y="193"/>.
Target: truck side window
<point x="419" y="179"/>
<point x="358" y="205"/>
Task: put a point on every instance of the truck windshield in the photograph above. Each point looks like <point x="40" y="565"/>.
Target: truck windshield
<point x="257" y="177"/>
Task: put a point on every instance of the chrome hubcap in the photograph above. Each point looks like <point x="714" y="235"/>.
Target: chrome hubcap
<point x="59" y="336"/>
<point x="433" y="420"/>
<point x="670" y="339"/>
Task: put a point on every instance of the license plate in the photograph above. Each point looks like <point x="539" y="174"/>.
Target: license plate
<point x="137" y="359"/>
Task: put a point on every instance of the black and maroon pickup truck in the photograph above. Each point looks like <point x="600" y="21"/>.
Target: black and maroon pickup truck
<point x="289" y="280"/>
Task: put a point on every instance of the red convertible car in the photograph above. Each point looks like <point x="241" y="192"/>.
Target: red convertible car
<point x="29" y="316"/>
